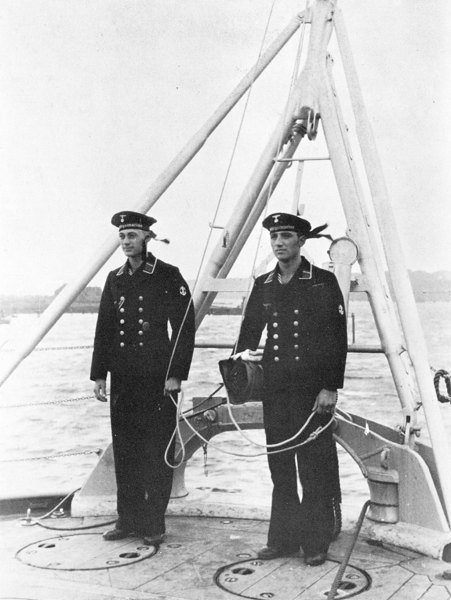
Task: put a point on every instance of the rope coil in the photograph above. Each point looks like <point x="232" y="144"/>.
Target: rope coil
<point x="442" y="374"/>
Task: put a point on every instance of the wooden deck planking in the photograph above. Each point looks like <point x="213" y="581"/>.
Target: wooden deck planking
<point x="436" y="593"/>
<point x="198" y="571"/>
<point x="386" y="581"/>
<point x="413" y="589"/>
<point x="294" y="580"/>
<point x="136" y="575"/>
<point x="207" y="544"/>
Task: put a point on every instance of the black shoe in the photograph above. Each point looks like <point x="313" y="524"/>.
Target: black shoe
<point x="116" y="534"/>
<point x="270" y="552"/>
<point x="154" y="540"/>
<point x="314" y="560"/>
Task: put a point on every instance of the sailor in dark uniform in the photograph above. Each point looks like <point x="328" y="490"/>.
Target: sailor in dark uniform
<point x="303" y="362"/>
<point x="146" y="364"/>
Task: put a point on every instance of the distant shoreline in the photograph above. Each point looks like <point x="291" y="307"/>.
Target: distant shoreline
<point x="427" y="287"/>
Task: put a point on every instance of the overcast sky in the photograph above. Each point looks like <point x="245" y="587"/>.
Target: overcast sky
<point x="98" y="96"/>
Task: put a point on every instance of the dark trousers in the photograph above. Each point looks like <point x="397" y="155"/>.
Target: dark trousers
<point x="142" y="422"/>
<point x="309" y="523"/>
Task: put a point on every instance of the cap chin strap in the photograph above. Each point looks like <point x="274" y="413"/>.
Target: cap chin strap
<point x="144" y="250"/>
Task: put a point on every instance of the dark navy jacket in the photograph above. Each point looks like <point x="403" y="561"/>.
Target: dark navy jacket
<point x="132" y="337"/>
<point x="306" y="327"/>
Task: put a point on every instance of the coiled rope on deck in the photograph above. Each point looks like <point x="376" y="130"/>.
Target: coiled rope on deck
<point x="442" y="374"/>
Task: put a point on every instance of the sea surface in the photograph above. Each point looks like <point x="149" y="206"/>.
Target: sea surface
<point x="36" y="425"/>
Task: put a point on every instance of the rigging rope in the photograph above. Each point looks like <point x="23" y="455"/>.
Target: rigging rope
<point x="294" y="76"/>
<point x="51" y="348"/>
<point x="218" y="204"/>
<point x="97" y="451"/>
<point x="29" y="521"/>
<point x="65" y="400"/>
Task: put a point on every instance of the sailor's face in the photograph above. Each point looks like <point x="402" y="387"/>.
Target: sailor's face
<point x="286" y="245"/>
<point x="132" y="241"/>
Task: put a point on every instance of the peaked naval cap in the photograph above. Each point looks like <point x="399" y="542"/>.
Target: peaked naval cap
<point x="128" y="219"/>
<point x="289" y="222"/>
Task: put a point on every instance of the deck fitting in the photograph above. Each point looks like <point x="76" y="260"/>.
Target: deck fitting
<point x="84" y="552"/>
<point x="278" y="579"/>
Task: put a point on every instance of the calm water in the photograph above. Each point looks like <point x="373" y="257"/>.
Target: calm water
<point x="31" y="431"/>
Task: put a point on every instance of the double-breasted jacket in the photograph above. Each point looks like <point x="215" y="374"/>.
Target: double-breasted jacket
<point x="306" y="327"/>
<point x="145" y="326"/>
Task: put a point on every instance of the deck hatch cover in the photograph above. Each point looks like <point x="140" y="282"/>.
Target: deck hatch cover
<point x="289" y="578"/>
<point x="84" y="552"/>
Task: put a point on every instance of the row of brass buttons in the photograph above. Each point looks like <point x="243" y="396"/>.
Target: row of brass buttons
<point x="295" y="323"/>
<point x="140" y="321"/>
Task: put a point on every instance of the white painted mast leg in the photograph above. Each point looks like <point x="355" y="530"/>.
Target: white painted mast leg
<point x="362" y="231"/>
<point x="402" y="288"/>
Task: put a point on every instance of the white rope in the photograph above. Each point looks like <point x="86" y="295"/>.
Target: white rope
<point x="317" y="431"/>
<point x="176" y="431"/>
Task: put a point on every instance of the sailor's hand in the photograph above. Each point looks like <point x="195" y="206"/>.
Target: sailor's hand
<point x="172" y="386"/>
<point x="249" y="355"/>
<point x="325" y="402"/>
<point x="100" y="390"/>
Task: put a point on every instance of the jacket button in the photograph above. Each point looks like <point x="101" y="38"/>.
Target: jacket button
<point x="140" y="309"/>
<point x="296" y="335"/>
<point x="276" y="347"/>
<point x="141" y="343"/>
<point x="276" y="359"/>
<point x="296" y="358"/>
<point x="296" y="311"/>
<point x="275" y="314"/>
<point x="122" y="321"/>
<point x="140" y="298"/>
<point x="140" y="332"/>
<point x="275" y="324"/>
<point x="276" y="336"/>
<point x="122" y="344"/>
<point x="121" y="333"/>
<point x="295" y="323"/>
<point x="122" y="298"/>
<point x="140" y="321"/>
<point x="296" y="346"/>
<point x="122" y="310"/>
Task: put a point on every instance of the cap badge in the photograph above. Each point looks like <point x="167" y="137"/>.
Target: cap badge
<point x="123" y="218"/>
<point x="276" y="218"/>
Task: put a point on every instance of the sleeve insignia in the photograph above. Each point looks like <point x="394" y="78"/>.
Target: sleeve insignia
<point x="182" y="290"/>
<point x="341" y="310"/>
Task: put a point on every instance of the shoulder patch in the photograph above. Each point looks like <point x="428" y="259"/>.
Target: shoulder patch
<point x="182" y="290"/>
<point x="341" y="310"/>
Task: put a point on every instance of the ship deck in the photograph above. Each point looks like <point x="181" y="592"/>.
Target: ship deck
<point x="203" y="558"/>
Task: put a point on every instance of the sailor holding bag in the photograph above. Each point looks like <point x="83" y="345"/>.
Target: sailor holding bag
<point x="303" y="363"/>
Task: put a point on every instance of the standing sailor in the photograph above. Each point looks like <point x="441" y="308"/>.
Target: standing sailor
<point x="303" y="363"/>
<point x="139" y="301"/>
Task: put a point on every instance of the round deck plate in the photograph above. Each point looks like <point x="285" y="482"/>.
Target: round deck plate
<point x="289" y="578"/>
<point x="84" y="552"/>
